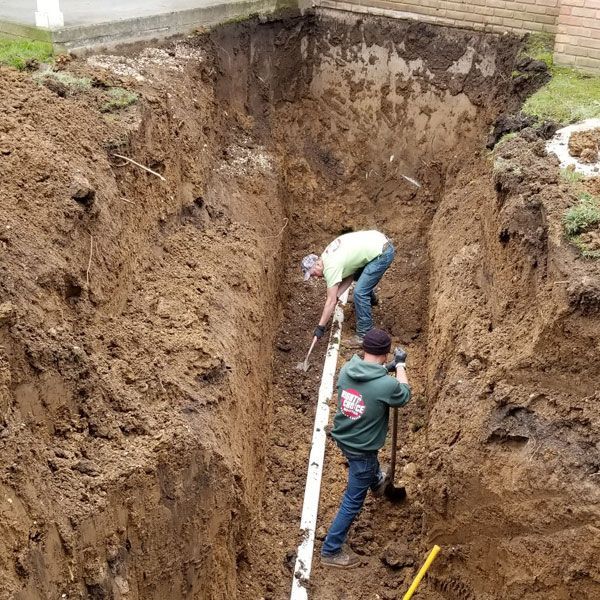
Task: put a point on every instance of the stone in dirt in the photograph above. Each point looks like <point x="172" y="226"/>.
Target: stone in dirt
<point x="397" y="555"/>
<point x="81" y="190"/>
<point x="7" y="313"/>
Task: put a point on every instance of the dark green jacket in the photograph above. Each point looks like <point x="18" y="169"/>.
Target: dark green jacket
<point x="365" y="394"/>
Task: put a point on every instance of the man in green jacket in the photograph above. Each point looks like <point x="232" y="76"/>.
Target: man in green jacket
<point x="361" y="256"/>
<point x="365" y="394"/>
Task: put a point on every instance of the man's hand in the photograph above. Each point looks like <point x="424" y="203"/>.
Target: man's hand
<point x="399" y="359"/>
<point x="319" y="331"/>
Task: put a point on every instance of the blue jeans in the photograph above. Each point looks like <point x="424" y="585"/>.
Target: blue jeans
<point x="366" y="280"/>
<point x="363" y="473"/>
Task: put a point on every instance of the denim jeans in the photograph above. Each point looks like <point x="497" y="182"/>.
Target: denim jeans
<point x="366" y="280"/>
<point x="363" y="473"/>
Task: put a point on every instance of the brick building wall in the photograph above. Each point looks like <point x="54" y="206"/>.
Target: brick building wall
<point x="578" y="35"/>
<point x="576" y="23"/>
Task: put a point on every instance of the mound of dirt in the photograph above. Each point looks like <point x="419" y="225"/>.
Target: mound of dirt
<point x="585" y="145"/>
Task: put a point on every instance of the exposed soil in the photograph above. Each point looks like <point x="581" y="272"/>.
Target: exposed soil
<point x="154" y="432"/>
<point x="585" y="145"/>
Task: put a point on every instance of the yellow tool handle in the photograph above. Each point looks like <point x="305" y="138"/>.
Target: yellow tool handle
<point x="421" y="573"/>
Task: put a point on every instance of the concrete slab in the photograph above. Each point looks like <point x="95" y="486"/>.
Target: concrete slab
<point x="18" y="11"/>
<point x="116" y="27"/>
<point x="89" y="12"/>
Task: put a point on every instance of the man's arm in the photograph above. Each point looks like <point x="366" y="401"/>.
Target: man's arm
<point x="401" y="395"/>
<point x="330" y="302"/>
<point x="346" y="283"/>
<point x="401" y="374"/>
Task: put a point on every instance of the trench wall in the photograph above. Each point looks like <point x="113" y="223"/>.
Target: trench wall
<point x="576" y="23"/>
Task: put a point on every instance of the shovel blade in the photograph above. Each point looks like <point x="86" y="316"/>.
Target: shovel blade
<point x="302" y="366"/>
<point x="395" y="494"/>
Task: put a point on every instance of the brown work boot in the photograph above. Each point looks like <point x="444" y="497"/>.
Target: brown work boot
<point x="344" y="559"/>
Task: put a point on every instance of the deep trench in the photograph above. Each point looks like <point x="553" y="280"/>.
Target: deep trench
<point x="285" y="133"/>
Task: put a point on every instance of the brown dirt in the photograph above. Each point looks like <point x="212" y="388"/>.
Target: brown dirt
<point x="585" y="144"/>
<point x="154" y="432"/>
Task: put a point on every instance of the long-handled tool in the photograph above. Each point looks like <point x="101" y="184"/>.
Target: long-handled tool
<point x="421" y="573"/>
<point x="303" y="366"/>
<point x="395" y="494"/>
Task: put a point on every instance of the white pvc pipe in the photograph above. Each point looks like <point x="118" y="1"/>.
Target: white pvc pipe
<point x="310" y="507"/>
<point x="49" y="15"/>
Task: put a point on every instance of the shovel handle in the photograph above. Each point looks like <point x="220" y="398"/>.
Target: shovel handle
<point x="394" y="444"/>
<point x="305" y="363"/>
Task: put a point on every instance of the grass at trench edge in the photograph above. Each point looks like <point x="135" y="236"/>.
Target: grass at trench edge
<point x="16" y="53"/>
<point x="570" y="95"/>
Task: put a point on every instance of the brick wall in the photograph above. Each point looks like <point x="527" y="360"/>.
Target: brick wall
<point x="578" y="35"/>
<point x="576" y="23"/>
<point x="496" y="15"/>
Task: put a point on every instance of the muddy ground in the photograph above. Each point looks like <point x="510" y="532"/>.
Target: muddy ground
<point x="154" y="432"/>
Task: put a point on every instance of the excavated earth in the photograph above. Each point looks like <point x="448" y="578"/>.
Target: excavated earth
<point x="154" y="433"/>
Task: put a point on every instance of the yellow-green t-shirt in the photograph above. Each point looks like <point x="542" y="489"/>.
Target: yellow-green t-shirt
<point x="349" y="252"/>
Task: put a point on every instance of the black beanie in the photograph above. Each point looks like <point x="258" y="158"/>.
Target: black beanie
<point x="377" y="342"/>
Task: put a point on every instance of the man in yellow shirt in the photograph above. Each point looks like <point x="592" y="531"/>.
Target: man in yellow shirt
<point x="361" y="256"/>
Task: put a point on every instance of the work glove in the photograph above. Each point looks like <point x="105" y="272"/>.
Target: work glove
<point x="399" y="359"/>
<point x="319" y="331"/>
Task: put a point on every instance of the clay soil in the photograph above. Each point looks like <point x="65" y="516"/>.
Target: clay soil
<point x="585" y="145"/>
<point x="154" y="431"/>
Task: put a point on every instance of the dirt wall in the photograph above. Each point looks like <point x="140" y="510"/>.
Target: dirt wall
<point x="137" y="323"/>
<point x="512" y="382"/>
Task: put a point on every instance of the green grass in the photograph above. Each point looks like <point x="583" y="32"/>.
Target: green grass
<point x="583" y="248"/>
<point x="16" y="53"/>
<point x="571" y="176"/>
<point x="505" y="138"/>
<point x="570" y="96"/>
<point x="579" y="219"/>
<point x="119" y="98"/>
<point x="582" y="216"/>
<point x="540" y="46"/>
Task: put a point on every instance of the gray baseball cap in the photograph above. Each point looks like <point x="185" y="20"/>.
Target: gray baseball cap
<point x="308" y="262"/>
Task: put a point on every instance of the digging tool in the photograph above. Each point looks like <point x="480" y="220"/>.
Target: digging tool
<point x="421" y="573"/>
<point x="303" y="366"/>
<point x="393" y="493"/>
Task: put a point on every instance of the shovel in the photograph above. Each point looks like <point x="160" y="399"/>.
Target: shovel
<point x="395" y="494"/>
<point x="303" y="366"/>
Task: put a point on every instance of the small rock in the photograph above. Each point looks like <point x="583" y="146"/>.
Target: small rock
<point x="410" y="470"/>
<point x="79" y="353"/>
<point x="284" y="346"/>
<point x="475" y="365"/>
<point x="7" y="313"/>
<point x="290" y="559"/>
<point x="87" y="467"/>
<point x="81" y="191"/>
<point x="397" y="555"/>
<point x="122" y="585"/>
<point x="321" y="533"/>
<point x="58" y="87"/>
<point x="129" y="376"/>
